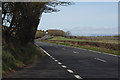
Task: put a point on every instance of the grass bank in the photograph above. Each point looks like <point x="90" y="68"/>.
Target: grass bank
<point x="88" y="48"/>
<point x="96" y="39"/>
<point x="14" y="59"/>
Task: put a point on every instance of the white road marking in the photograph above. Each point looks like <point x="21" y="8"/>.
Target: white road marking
<point x="100" y="59"/>
<point x="45" y="52"/>
<point x="89" y="50"/>
<point x="77" y="76"/>
<point x="63" y="66"/>
<point x="36" y="45"/>
<point x="56" y="60"/>
<point x="92" y="51"/>
<point x="84" y="49"/>
<point x="70" y="71"/>
<point x="63" y="48"/>
<point x="75" y="52"/>
<point x="98" y="52"/>
<point x="109" y="54"/>
<point x="59" y="63"/>
<point x="53" y="58"/>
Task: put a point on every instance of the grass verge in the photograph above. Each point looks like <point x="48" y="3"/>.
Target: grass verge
<point x="73" y="39"/>
<point x="88" y="48"/>
<point x="19" y="57"/>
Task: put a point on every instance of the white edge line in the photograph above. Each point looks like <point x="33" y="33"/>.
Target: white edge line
<point x="77" y="76"/>
<point x="70" y="71"/>
<point x="56" y="60"/>
<point x="53" y="58"/>
<point x="59" y="63"/>
<point x="63" y="66"/>
<point x="46" y="52"/>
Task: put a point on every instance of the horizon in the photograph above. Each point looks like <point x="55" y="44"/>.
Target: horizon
<point x="83" y="19"/>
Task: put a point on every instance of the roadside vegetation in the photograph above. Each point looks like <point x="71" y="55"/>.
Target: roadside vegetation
<point x="106" y="44"/>
<point x="88" y="39"/>
<point x="91" y="48"/>
<point x="20" y="22"/>
<point x="16" y="58"/>
<point x="115" y="52"/>
<point x="39" y="34"/>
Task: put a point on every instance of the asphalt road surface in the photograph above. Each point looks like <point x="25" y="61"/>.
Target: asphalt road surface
<point x="69" y="63"/>
<point x="43" y="69"/>
<point x="84" y="63"/>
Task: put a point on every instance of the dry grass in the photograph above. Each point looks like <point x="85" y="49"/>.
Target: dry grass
<point x="89" y="39"/>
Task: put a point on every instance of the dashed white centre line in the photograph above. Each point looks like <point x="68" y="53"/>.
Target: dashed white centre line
<point x="100" y="59"/>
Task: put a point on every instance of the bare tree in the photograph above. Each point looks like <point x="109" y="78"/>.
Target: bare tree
<point x="67" y="33"/>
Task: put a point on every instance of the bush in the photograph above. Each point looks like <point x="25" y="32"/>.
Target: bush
<point x="16" y="58"/>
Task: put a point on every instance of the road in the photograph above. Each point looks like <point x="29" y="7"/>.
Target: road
<point x="84" y="63"/>
<point x="69" y="63"/>
<point x="43" y="69"/>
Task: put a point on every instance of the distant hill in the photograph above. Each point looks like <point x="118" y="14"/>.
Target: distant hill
<point x="55" y="32"/>
<point x="39" y="33"/>
<point x="102" y="35"/>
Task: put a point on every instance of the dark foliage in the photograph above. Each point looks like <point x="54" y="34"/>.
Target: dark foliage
<point x="20" y="19"/>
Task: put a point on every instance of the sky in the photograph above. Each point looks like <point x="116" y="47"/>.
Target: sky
<point x="83" y="19"/>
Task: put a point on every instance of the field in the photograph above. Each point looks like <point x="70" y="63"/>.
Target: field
<point x="89" y="39"/>
<point x="107" y="44"/>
